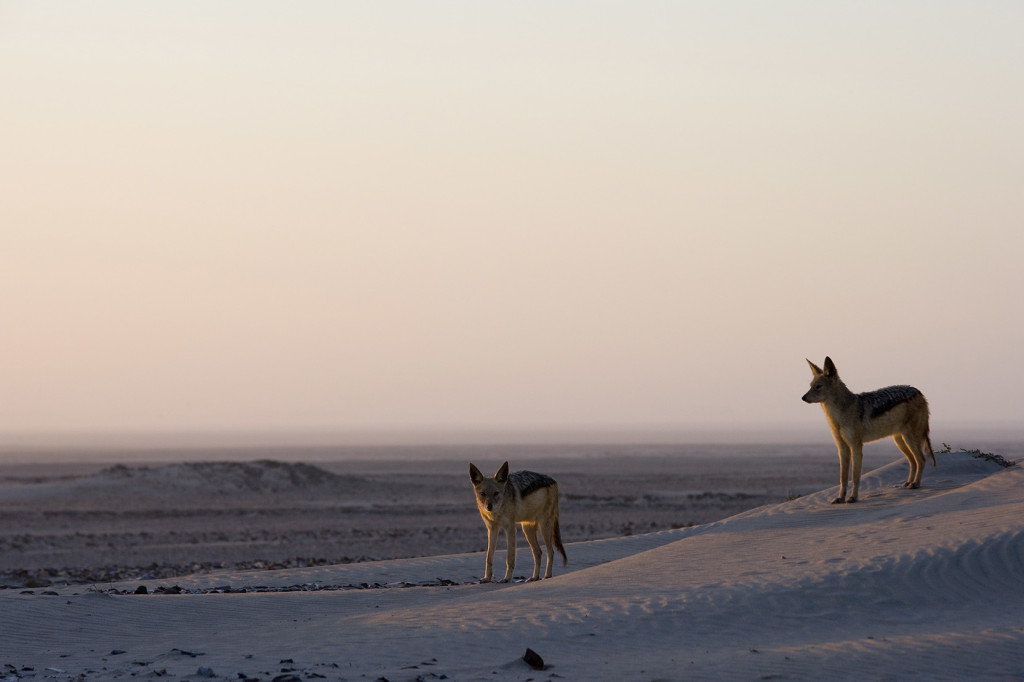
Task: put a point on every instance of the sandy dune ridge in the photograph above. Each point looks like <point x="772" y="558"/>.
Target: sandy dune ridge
<point x="923" y="584"/>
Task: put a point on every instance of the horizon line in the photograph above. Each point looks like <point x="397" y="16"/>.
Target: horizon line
<point x="188" y="438"/>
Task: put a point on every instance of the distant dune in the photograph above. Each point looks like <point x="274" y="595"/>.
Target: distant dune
<point x="261" y="476"/>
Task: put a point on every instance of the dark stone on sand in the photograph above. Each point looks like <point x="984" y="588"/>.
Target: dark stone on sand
<point x="533" y="659"/>
<point x="141" y="589"/>
<point x="169" y="590"/>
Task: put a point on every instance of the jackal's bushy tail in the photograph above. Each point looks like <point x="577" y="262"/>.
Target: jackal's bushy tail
<point x="927" y="438"/>
<point x="558" y="543"/>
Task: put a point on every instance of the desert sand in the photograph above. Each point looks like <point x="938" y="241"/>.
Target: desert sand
<point x="905" y="584"/>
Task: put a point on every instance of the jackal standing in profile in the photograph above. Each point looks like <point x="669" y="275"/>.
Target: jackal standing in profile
<point x="858" y="418"/>
<point x="524" y="497"/>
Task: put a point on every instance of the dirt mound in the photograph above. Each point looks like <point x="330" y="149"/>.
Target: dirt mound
<point x="262" y="476"/>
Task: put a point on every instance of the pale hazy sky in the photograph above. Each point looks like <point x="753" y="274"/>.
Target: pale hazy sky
<point x="366" y="215"/>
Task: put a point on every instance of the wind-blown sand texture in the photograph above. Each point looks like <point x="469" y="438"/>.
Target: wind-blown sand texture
<point x="921" y="584"/>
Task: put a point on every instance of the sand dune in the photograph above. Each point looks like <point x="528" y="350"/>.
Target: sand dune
<point x="222" y="478"/>
<point x="923" y="584"/>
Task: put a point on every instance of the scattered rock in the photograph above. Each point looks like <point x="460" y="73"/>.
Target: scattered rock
<point x="301" y="587"/>
<point x="205" y="672"/>
<point x="45" y="577"/>
<point x="169" y="590"/>
<point x="533" y="659"/>
<point x="289" y="677"/>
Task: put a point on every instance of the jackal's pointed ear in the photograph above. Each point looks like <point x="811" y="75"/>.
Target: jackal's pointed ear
<point x="502" y="474"/>
<point x="474" y="474"/>
<point x="815" y="370"/>
<point x="830" y="368"/>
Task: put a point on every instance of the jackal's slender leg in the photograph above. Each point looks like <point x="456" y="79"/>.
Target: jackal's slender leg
<point x="858" y="460"/>
<point x="530" y="531"/>
<point x="492" y="544"/>
<point x="915" y="447"/>
<point x="510" y="561"/>
<point x="914" y="456"/>
<point x="844" y="471"/>
<point x="548" y="533"/>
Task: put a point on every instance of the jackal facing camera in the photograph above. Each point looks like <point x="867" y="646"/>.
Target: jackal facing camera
<point x="524" y="497"/>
